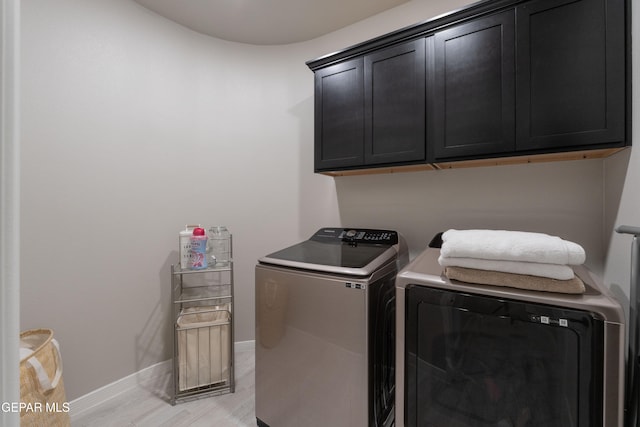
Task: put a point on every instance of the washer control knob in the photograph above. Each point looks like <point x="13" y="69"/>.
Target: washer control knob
<point x="351" y="233"/>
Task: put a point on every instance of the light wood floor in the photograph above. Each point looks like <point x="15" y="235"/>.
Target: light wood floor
<point x="148" y="404"/>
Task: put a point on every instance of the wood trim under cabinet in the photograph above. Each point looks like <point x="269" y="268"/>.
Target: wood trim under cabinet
<point x="383" y="170"/>
<point x="515" y="160"/>
<point x="537" y="158"/>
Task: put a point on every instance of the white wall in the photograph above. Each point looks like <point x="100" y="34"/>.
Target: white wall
<point x="134" y="126"/>
<point x="563" y="199"/>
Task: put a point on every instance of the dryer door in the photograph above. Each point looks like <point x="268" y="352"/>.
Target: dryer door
<point x="474" y="360"/>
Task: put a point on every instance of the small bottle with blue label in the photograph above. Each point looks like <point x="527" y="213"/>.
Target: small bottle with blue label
<point x="198" y="259"/>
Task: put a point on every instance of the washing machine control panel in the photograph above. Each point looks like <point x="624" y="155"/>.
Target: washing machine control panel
<point x="356" y="235"/>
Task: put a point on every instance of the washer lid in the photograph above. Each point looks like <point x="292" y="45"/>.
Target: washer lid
<point x="354" y="252"/>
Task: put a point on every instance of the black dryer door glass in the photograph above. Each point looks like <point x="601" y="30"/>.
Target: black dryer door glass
<point x="476" y="361"/>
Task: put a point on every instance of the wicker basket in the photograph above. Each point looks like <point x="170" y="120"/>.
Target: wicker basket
<point x="42" y="395"/>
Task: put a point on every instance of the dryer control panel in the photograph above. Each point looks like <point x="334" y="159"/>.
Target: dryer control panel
<point x="356" y="235"/>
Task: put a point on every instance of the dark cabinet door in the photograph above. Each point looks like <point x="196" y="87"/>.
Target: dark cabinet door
<point x="394" y="95"/>
<point x="570" y="73"/>
<point x="339" y="116"/>
<point x="474" y="94"/>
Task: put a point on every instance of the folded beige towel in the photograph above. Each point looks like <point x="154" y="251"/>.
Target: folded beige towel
<point x="520" y="281"/>
<point x="552" y="271"/>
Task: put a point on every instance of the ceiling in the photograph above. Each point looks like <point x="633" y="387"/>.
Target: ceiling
<point x="267" y="22"/>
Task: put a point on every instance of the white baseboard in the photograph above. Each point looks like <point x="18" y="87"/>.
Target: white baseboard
<point x="90" y="400"/>
<point x="245" y="345"/>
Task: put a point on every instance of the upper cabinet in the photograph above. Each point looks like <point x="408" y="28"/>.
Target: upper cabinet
<point x="500" y="79"/>
<point x="474" y="90"/>
<point x="394" y="104"/>
<point x="339" y="115"/>
<point x="371" y="110"/>
<point x="570" y="73"/>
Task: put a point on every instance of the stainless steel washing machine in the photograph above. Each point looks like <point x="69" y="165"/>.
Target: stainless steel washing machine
<point x="325" y="330"/>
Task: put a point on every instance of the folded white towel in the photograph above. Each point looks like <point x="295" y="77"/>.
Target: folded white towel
<point x="551" y="271"/>
<point x="511" y="246"/>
